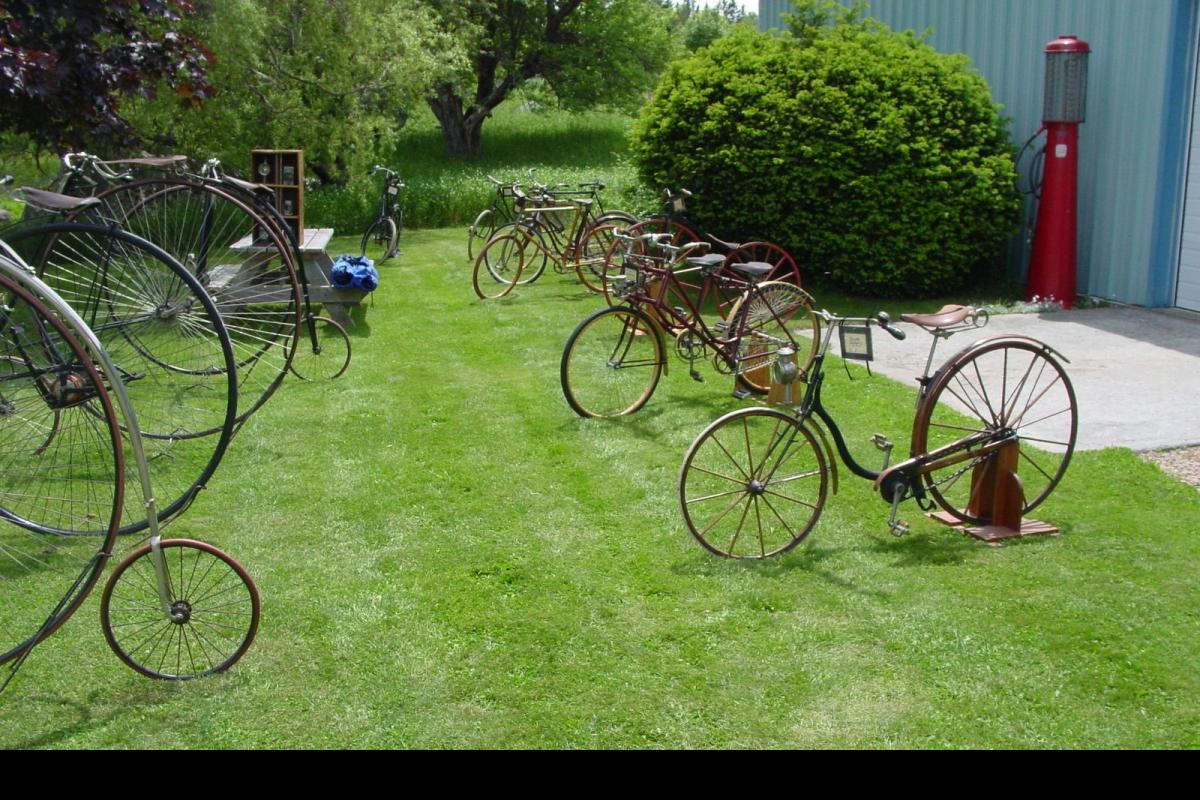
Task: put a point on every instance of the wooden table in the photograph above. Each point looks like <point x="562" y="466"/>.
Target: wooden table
<point x="316" y="263"/>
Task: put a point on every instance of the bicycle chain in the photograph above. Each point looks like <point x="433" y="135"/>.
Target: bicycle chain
<point x="970" y="466"/>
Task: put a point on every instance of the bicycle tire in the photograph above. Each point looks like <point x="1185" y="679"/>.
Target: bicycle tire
<point x="592" y="256"/>
<point x="753" y="484"/>
<point x="241" y="259"/>
<point x="728" y="281"/>
<point x="768" y="317"/>
<point x="503" y="261"/>
<point x="167" y="338"/>
<point x="612" y="363"/>
<point x="383" y="233"/>
<point x="398" y="228"/>
<point x="327" y="359"/>
<point x="536" y="257"/>
<point x="214" y="600"/>
<point x="480" y="232"/>
<point x="63" y="490"/>
<point x="1000" y="388"/>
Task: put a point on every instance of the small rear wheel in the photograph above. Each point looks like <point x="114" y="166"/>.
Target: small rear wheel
<point x="322" y="350"/>
<point x="205" y="624"/>
<point x="753" y="484"/>
<point x="611" y="363"/>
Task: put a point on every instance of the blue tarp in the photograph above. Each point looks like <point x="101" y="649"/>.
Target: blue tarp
<point x="354" y="272"/>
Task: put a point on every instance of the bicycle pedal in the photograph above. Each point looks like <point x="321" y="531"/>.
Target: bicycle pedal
<point x="696" y="376"/>
<point x="898" y="528"/>
<point x="720" y="327"/>
<point x="881" y="443"/>
<point x="741" y="394"/>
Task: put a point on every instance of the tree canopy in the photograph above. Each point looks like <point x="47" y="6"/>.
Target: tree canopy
<point x="334" y="77"/>
<point x="600" y="51"/>
<point x="66" y="66"/>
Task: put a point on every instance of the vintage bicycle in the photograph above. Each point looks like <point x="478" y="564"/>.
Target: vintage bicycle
<point x="754" y="482"/>
<point x="712" y="285"/>
<point x="174" y="609"/>
<point x="568" y="235"/>
<point x="502" y="211"/>
<point x="322" y="346"/>
<point x="384" y="230"/>
<point x="613" y="360"/>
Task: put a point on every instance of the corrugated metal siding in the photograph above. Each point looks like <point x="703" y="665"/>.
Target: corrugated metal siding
<point x="1189" y="257"/>
<point x="1121" y="144"/>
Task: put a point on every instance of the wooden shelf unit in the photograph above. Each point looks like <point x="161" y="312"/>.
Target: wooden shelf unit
<point x="283" y="172"/>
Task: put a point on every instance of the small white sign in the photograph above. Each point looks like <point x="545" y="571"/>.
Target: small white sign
<point x="1060" y="151"/>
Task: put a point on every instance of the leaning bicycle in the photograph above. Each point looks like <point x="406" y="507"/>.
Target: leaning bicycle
<point x="613" y="360"/>
<point x="754" y="482"/>
<point x="384" y="230"/>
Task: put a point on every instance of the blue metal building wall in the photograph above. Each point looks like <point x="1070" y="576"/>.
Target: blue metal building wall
<point x="1132" y="147"/>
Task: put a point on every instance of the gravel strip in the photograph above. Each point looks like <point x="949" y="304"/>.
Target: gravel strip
<point x="1182" y="462"/>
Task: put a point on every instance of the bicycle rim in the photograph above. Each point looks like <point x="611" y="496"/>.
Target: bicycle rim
<point x="240" y="258"/>
<point x="62" y="490"/>
<point x="168" y="342"/>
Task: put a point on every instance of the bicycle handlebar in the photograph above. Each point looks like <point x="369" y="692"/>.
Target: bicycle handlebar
<point x="883" y="320"/>
<point x="103" y="170"/>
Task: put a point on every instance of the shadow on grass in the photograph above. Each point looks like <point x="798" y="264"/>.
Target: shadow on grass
<point x="806" y="557"/>
<point x="100" y="709"/>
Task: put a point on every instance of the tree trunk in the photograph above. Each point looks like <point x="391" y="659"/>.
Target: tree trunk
<point x="460" y="131"/>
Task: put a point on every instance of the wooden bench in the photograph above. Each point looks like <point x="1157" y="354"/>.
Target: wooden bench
<point x="316" y="264"/>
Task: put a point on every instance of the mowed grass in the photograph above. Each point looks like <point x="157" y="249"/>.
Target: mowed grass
<point x="449" y="557"/>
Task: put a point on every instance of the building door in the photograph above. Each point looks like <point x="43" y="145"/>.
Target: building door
<point x="1188" y="289"/>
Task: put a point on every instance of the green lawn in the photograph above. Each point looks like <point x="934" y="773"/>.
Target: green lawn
<point x="448" y="557"/>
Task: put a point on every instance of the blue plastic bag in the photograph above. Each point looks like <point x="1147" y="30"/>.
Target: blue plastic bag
<point x="354" y="272"/>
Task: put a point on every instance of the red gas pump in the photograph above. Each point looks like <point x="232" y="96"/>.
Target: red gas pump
<point x="1052" y="268"/>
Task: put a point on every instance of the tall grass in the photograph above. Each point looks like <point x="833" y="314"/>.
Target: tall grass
<point x="561" y="147"/>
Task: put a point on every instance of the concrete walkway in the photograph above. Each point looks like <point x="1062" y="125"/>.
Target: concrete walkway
<point x="1136" y="372"/>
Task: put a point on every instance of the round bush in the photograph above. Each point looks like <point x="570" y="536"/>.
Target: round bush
<point x="874" y="158"/>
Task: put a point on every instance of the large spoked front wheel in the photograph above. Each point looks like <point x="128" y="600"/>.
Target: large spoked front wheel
<point x="242" y="259"/>
<point x="612" y="363"/>
<point x="62" y="465"/>
<point x="208" y="621"/>
<point x="997" y="390"/>
<point x="322" y="350"/>
<point x="166" y="338"/>
<point x="753" y="484"/>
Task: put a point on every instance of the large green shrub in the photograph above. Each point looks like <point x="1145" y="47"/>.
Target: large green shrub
<point x="874" y="158"/>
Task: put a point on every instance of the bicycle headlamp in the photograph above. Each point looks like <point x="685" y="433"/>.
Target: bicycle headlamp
<point x="785" y="370"/>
